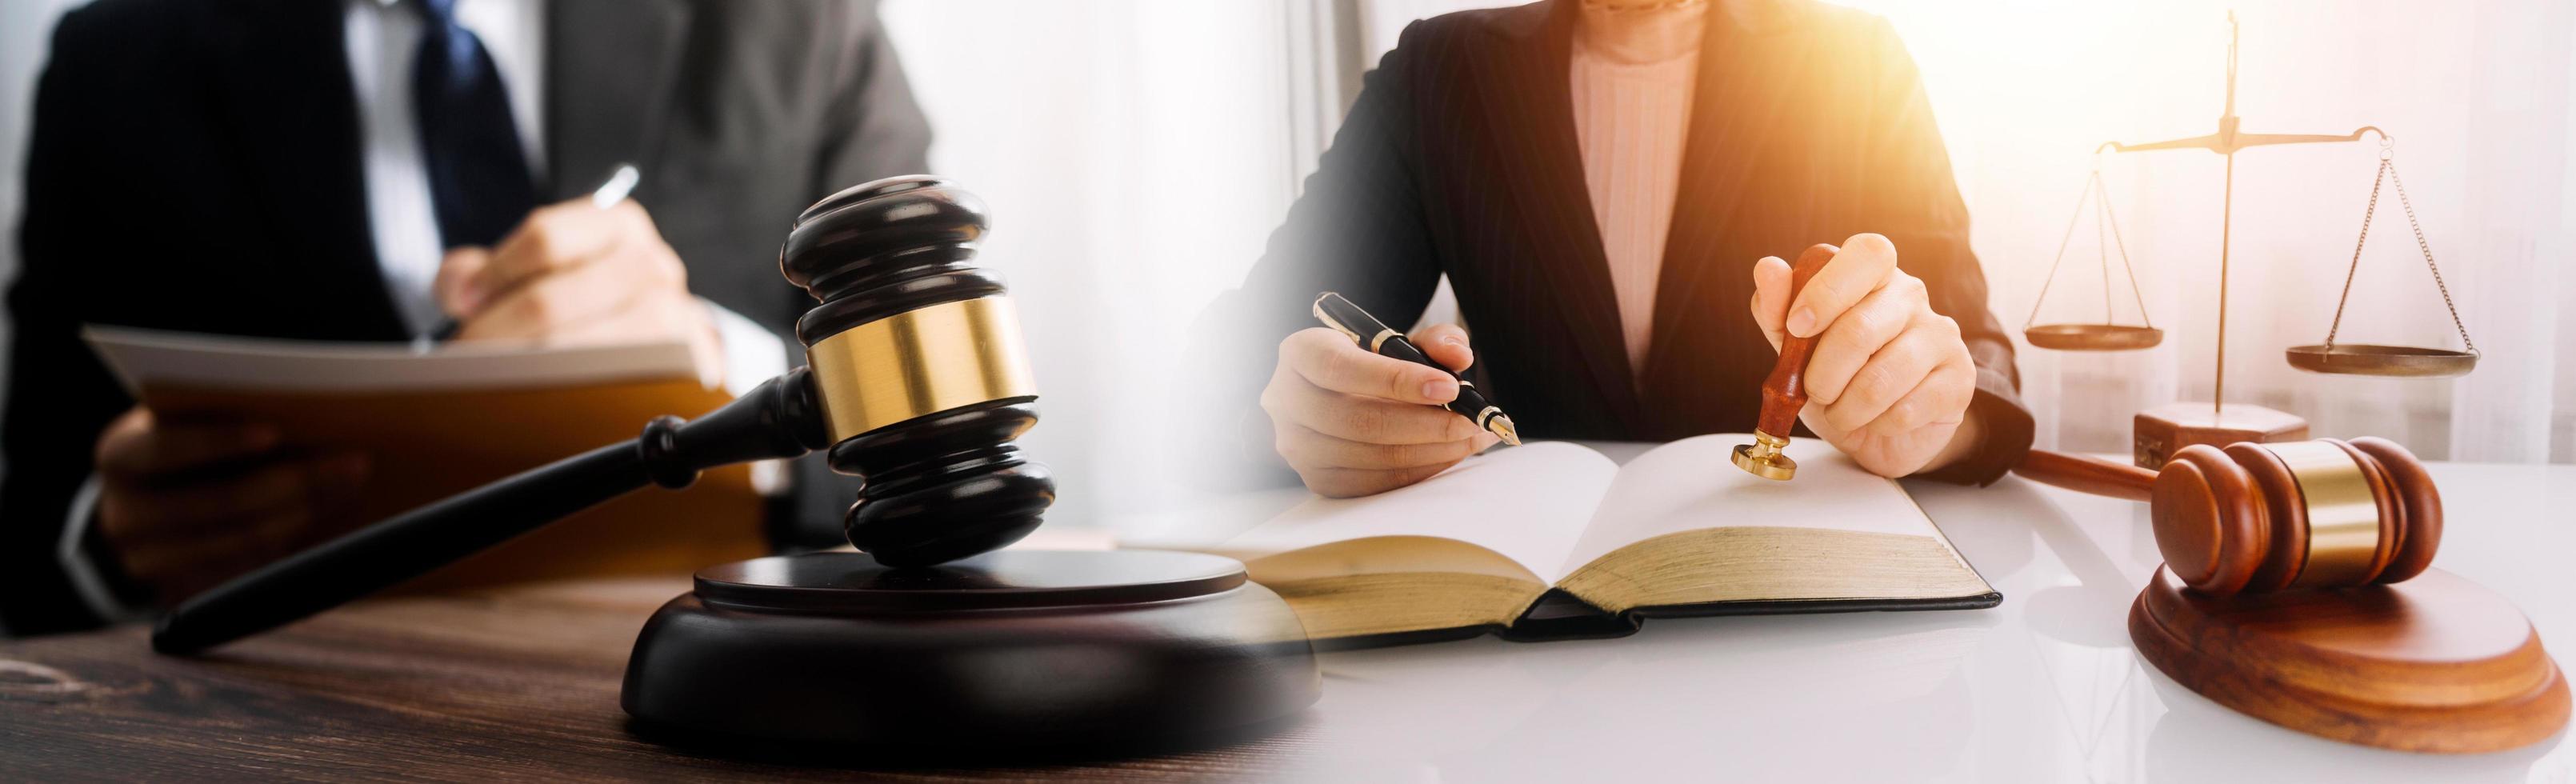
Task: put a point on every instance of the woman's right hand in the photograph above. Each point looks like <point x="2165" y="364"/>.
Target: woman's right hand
<point x="188" y="504"/>
<point x="1354" y="423"/>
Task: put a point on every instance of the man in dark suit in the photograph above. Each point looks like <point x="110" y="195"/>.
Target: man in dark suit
<point x="1467" y="153"/>
<point x="379" y="170"/>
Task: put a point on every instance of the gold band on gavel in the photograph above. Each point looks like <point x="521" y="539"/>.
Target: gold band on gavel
<point x="2343" y="519"/>
<point x="918" y="362"/>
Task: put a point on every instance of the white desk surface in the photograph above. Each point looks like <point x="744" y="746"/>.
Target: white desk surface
<point x="2045" y="688"/>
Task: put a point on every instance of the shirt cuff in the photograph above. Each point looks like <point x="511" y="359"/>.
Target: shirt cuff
<point x="2006" y="432"/>
<point x="752" y="354"/>
<point x="81" y="565"/>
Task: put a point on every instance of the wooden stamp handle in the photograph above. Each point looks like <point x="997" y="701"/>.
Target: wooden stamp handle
<point x="1785" y="392"/>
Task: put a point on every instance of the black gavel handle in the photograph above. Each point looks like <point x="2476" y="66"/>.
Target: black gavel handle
<point x="777" y="420"/>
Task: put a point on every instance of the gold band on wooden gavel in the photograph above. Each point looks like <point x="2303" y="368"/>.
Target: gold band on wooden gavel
<point x="2343" y="519"/>
<point x="920" y="362"/>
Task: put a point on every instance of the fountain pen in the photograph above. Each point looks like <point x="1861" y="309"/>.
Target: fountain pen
<point x="1379" y="339"/>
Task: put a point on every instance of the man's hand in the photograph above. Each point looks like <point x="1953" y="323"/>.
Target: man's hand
<point x="189" y="504"/>
<point x="1890" y="381"/>
<point x="1354" y="423"/>
<point x="574" y="274"/>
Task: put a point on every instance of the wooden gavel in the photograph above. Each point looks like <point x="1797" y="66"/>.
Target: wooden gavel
<point x="2247" y="518"/>
<point x="2264" y="517"/>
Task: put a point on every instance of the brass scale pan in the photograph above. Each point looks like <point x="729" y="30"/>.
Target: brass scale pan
<point x="2361" y="359"/>
<point x="2365" y="359"/>
<point x="2092" y="337"/>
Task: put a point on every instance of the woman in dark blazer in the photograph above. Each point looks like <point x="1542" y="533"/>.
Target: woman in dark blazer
<point x="1467" y="154"/>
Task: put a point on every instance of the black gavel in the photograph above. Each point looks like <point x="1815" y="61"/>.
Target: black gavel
<point x="916" y="381"/>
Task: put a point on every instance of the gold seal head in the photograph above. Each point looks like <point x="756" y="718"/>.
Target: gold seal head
<point x="1763" y="457"/>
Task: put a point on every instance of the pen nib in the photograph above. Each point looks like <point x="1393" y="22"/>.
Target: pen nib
<point x="1502" y="426"/>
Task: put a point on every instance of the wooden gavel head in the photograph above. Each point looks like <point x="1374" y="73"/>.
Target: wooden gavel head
<point x="919" y="371"/>
<point x="2305" y="514"/>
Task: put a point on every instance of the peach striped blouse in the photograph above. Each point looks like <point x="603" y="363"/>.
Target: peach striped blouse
<point x="1633" y="67"/>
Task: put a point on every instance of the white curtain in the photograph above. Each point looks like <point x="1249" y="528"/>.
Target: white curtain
<point x="1135" y="154"/>
<point x="2477" y="95"/>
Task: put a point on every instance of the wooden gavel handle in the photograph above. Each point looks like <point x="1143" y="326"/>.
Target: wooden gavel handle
<point x="2087" y="475"/>
<point x="1785" y="391"/>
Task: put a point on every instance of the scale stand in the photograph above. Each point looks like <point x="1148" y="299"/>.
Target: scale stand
<point x="2159" y="431"/>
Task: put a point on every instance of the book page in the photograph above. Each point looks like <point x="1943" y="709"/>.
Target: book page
<point x="1527" y="503"/>
<point x="1692" y="484"/>
<point x="143" y="359"/>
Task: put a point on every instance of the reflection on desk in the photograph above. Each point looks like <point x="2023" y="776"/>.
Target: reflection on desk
<point x="2046" y="687"/>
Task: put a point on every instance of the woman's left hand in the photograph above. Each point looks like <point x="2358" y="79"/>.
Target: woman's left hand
<point x="1890" y="379"/>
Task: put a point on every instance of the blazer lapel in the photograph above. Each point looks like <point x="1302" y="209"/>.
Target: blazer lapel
<point x="1532" y="123"/>
<point x="294" y="116"/>
<point x="610" y="70"/>
<point x="1741" y="90"/>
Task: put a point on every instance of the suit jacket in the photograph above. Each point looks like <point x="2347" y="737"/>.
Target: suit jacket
<point x="1459" y="157"/>
<point x="194" y="165"/>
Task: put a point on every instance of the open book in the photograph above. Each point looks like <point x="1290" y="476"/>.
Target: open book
<point x="1555" y="540"/>
<point x="441" y="420"/>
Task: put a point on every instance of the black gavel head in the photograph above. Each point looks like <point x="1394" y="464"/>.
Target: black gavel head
<point x="919" y="371"/>
<point x="2307" y="514"/>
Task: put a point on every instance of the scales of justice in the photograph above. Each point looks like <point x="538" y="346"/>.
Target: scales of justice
<point x="2158" y="432"/>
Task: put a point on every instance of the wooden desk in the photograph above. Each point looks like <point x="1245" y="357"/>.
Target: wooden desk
<point x="523" y="683"/>
<point x="513" y="684"/>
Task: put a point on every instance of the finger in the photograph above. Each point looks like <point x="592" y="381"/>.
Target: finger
<point x="1861" y="267"/>
<point x="140" y="446"/>
<point x="132" y="513"/>
<point x="456" y="271"/>
<point x="556" y="303"/>
<point x="179" y="565"/>
<point x="1307" y="448"/>
<point x="1941" y="399"/>
<point x="1446" y="344"/>
<point x="554" y="237"/>
<point x="1353" y="482"/>
<point x="1893" y="372"/>
<point x="1328" y="360"/>
<point x="1363" y="418"/>
<point x="1771" y="297"/>
<point x="1862" y="332"/>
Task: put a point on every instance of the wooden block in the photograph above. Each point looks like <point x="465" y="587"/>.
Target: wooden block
<point x="2158" y="432"/>
<point x="2433" y="664"/>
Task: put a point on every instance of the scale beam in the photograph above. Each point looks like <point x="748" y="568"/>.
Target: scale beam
<point x="2227" y="143"/>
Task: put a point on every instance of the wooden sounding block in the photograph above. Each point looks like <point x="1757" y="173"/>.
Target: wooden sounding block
<point x="2296" y="589"/>
<point x="2433" y="664"/>
<point x="1017" y="651"/>
<point x="2158" y="432"/>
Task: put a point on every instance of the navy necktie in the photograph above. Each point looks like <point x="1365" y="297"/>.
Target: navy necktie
<point x="478" y="175"/>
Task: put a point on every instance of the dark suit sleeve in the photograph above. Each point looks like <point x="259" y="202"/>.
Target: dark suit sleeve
<point x="874" y="127"/>
<point x="872" y="130"/>
<point x="1917" y="206"/>
<point x="1357" y="228"/>
<point x="59" y="397"/>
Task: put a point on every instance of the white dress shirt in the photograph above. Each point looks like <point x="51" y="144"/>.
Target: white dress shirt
<point x="383" y="41"/>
